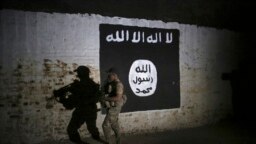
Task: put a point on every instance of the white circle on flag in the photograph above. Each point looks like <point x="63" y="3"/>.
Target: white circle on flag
<point x="143" y="78"/>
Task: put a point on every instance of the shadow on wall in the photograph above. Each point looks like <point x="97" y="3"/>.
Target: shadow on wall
<point x="243" y="86"/>
<point x="243" y="80"/>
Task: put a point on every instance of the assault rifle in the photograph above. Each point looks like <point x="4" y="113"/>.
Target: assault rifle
<point x="64" y="96"/>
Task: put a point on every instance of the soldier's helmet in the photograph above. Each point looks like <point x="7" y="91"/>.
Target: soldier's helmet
<point x="82" y="71"/>
<point x="112" y="70"/>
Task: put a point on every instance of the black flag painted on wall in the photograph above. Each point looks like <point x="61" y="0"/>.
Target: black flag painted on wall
<point x="147" y="60"/>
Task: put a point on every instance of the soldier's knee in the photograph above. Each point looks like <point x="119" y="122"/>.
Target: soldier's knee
<point x="105" y="122"/>
<point x="92" y="129"/>
<point x="104" y="125"/>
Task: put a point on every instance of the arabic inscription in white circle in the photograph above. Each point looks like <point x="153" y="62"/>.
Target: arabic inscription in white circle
<point x="143" y="78"/>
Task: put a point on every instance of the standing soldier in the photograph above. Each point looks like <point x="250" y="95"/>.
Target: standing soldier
<point x="115" y="99"/>
<point x="83" y="99"/>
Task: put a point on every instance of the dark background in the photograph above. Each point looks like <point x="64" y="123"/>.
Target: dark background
<point x="231" y="14"/>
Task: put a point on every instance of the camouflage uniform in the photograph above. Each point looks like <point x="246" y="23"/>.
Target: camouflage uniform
<point x="111" y="120"/>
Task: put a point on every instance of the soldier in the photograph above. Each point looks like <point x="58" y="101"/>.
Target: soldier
<point x="86" y="108"/>
<point x="115" y="99"/>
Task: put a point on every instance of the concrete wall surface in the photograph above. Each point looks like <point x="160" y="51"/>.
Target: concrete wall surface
<point x="39" y="51"/>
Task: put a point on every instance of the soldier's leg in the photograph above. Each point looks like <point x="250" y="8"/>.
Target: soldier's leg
<point x="115" y="123"/>
<point x="73" y="126"/>
<point x="91" y="125"/>
<point x="107" y="127"/>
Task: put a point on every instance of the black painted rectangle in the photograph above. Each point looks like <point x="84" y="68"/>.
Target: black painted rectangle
<point x="121" y="45"/>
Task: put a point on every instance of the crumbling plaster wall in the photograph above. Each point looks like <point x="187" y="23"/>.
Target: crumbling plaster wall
<point x="39" y="52"/>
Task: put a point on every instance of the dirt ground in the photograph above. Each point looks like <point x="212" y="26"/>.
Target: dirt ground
<point x="224" y="132"/>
